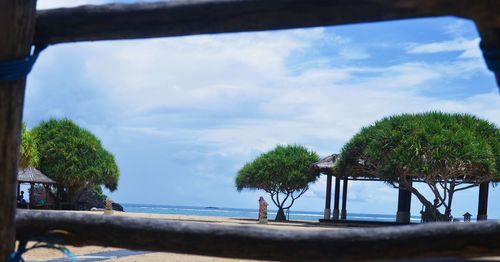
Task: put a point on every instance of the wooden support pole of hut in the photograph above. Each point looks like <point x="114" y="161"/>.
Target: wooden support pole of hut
<point x="482" y="207"/>
<point x="343" y="212"/>
<point x="328" y="200"/>
<point x="17" y="22"/>
<point x="18" y="190"/>
<point x="32" y="195"/>
<point x="404" y="205"/>
<point x="337" y="199"/>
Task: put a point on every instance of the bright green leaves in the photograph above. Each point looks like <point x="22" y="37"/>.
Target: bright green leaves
<point x="283" y="169"/>
<point x="73" y="156"/>
<point x="434" y="145"/>
<point x="28" y="152"/>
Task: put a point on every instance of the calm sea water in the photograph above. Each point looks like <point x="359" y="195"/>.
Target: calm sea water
<point x="248" y="213"/>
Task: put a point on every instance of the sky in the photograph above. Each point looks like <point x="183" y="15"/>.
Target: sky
<point x="182" y="115"/>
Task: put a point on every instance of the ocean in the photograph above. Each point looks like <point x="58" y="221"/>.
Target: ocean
<point x="250" y="213"/>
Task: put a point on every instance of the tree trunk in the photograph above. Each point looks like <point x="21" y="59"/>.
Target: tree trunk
<point x="17" y="23"/>
<point x="431" y="213"/>
<point x="280" y="216"/>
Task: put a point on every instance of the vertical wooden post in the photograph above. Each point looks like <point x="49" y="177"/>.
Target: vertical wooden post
<point x="337" y="199"/>
<point x="482" y="207"/>
<point x="328" y="200"/>
<point x="46" y="188"/>
<point x="32" y="195"/>
<point x="18" y="190"/>
<point x="343" y="212"/>
<point x="404" y="205"/>
<point x="17" y="23"/>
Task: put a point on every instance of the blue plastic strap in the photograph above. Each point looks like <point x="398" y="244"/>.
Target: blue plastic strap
<point x="43" y="242"/>
<point x="491" y="57"/>
<point x="20" y="68"/>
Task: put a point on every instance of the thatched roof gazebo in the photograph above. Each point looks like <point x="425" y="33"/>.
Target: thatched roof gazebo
<point x="33" y="175"/>
<point x="325" y="166"/>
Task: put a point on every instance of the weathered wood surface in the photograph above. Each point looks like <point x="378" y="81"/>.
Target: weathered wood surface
<point x="252" y="242"/>
<point x="17" y="22"/>
<point x="188" y="17"/>
<point x="490" y="36"/>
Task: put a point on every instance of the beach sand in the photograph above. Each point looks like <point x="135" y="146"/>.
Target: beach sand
<point x="43" y="254"/>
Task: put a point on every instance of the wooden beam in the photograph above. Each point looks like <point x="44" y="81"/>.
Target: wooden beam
<point x="343" y="211"/>
<point x="490" y="37"/>
<point x="255" y="242"/>
<point x="17" y="23"/>
<point x="404" y="205"/>
<point x="482" y="207"/>
<point x="189" y="17"/>
<point x="328" y="197"/>
<point x="337" y="199"/>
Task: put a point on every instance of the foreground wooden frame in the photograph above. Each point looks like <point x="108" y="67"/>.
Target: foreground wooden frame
<point x="463" y="240"/>
<point x="19" y="31"/>
<point x="184" y="17"/>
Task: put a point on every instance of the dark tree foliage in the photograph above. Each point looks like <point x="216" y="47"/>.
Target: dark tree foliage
<point x="444" y="150"/>
<point x="284" y="172"/>
<point x="74" y="157"/>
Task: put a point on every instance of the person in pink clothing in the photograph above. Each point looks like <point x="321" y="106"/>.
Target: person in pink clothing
<point x="262" y="210"/>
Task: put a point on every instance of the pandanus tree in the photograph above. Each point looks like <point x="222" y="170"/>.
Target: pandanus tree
<point x="28" y="152"/>
<point x="74" y="157"/>
<point x="449" y="152"/>
<point x="284" y="173"/>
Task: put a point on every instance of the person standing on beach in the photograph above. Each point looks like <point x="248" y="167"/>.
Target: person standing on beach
<point x="21" y="202"/>
<point x="262" y="211"/>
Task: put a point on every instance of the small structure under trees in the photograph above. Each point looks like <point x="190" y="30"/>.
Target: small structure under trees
<point x="284" y="173"/>
<point x="33" y="176"/>
<point x="75" y="158"/>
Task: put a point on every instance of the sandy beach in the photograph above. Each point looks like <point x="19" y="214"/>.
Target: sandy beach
<point x="115" y="254"/>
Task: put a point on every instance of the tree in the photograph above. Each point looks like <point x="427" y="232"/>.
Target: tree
<point x="284" y="172"/>
<point x="28" y="153"/>
<point x="74" y="157"/>
<point x="449" y="152"/>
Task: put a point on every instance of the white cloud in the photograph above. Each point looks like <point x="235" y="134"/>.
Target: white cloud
<point x="469" y="48"/>
<point x="354" y="54"/>
<point x="168" y="88"/>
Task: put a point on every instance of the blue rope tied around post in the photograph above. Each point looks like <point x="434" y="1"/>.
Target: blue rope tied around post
<point x="18" y="69"/>
<point x="491" y="57"/>
<point x="42" y="243"/>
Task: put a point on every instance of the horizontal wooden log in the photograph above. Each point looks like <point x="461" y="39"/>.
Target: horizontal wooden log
<point x="188" y="17"/>
<point x="258" y="242"/>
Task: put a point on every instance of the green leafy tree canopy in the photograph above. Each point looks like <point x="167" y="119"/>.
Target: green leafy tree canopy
<point x="284" y="172"/>
<point x="28" y="153"/>
<point x="73" y="156"/>
<point x="444" y="150"/>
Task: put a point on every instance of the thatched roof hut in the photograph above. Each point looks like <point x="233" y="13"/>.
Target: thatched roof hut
<point x="325" y="165"/>
<point x="33" y="175"/>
